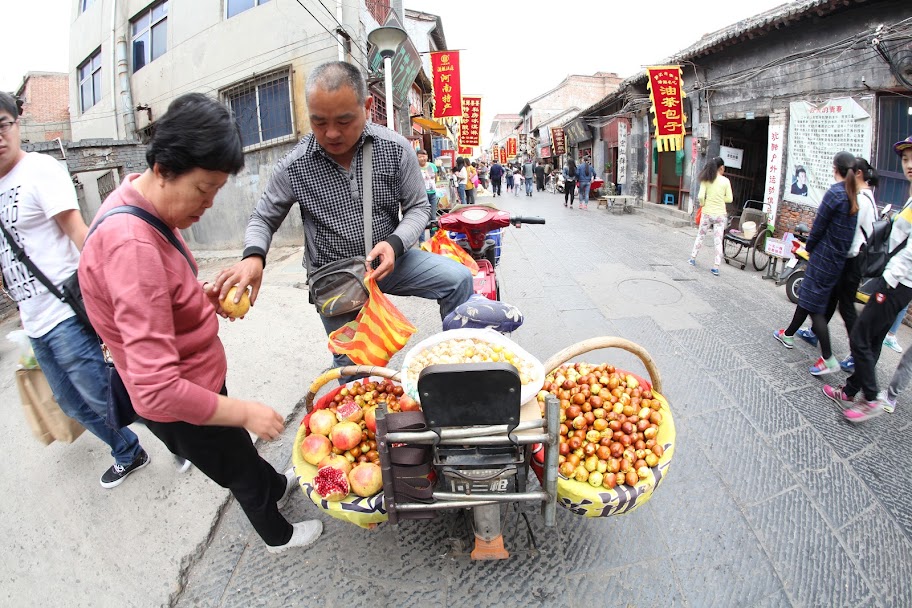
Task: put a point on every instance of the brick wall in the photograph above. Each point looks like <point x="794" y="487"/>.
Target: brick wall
<point x="790" y="215"/>
<point x="45" y="111"/>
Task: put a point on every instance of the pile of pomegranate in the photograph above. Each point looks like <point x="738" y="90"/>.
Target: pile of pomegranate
<point x="340" y="438"/>
<point x="609" y="425"/>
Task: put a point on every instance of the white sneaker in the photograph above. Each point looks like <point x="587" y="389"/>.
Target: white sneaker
<point x="183" y="465"/>
<point x="890" y="342"/>
<point x="889" y="405"/>
<point x="291" y="482"/>
<point x="305" y="533"/>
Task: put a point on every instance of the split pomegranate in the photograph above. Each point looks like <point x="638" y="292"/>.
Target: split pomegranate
<point x="331" y="484"/>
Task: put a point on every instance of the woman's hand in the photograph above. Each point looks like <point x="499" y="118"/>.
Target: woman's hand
<point x="262" y="420"/>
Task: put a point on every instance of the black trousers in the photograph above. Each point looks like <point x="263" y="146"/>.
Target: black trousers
<point x="843" y="294"/>
<point x="227" y="456"/>
<point x="495" y="185"/>
<point x="540" y="182"/>
<point x="569" y="191"/>
<point x="869" y="332"/>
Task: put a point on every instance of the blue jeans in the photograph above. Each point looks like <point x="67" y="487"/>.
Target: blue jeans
<point x="71" y="359"/>
<point x="462" y="194"/>
<point x="529" y="181"/>
<point x="899" y="319"/>
<point x="432" y="199"/>
<point x="584" y="192"/>
<point x="417" y="273"/>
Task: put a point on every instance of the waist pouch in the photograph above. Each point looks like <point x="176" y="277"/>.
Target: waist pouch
<point x="338" y="287"/>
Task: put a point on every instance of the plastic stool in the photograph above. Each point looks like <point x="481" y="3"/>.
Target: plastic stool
<point x="669" y="199"/>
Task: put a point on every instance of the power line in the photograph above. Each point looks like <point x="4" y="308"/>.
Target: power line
<point x="320" y="23"/>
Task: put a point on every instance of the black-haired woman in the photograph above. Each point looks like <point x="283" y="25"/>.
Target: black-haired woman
<point x="715" y="193"/>
<point x="829" y="243"/>
<point x="569" y="182"/>
<point x="161" y="326"/>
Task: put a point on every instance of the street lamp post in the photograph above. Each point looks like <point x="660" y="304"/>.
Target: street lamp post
<point x="388" y="39"/>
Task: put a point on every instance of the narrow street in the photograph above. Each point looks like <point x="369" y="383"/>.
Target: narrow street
<point x="772" y="499"/>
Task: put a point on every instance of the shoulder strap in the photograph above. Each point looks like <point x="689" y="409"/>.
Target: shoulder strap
<point x="368" y="159"/>
<point x="20" y="255"/>
<point x="152" y="221"/>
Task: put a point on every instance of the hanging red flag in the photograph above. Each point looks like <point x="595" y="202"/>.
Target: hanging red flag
<point x="666" y="90"/>
<point x="447" y="91"/>
<point x="511" y="147"/>
<point x="470" y="126"/>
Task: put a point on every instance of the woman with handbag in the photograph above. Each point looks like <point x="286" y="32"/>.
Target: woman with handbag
<point x="715" y="193"/>
<point x="161" y="325"/>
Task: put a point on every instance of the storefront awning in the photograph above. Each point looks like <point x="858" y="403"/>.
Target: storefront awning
<point x="430" y="125"/>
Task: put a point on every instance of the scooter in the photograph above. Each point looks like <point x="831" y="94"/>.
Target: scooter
<point x="475" y="224"/>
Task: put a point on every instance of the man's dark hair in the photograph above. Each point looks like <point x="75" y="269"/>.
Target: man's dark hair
<point x="334" y="75"/>
<point x="196" y="132"/>
<point x="11" y="105"/>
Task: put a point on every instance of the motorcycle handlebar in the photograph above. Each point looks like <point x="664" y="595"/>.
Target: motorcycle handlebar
<point x="518" y="219"/>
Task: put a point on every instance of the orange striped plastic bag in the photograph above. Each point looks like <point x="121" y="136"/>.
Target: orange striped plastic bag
<point x="377" y="333"/>
<point x="442" y="244"/>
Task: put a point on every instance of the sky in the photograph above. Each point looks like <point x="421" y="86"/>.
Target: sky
<point x="511" y="51"/>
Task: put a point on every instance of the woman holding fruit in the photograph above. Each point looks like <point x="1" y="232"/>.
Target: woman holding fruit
<point x="715" y="193"/>
<point x="160" y="323"/>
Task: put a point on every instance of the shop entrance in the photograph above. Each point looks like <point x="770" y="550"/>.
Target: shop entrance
<point x="750" y="138"/>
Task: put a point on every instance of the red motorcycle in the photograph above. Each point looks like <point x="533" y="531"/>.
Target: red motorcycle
<point x="476" y="223"/>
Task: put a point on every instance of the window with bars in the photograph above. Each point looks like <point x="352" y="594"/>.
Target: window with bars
<point x="379" y="9"/>
<point x="235" y="7"/>
<point x="378" y="109"/>
<point x="149" y="33"/>
<point x="262" y="109"/>
<point x="90" y="81"/>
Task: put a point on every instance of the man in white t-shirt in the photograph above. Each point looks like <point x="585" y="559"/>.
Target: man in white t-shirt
<point x="39" y="210"/>
<point x="429" y="174"/>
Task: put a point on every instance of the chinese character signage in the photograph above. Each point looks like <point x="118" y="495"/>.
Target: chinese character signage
<point x="406" y="64"/>
<point x="666" y="92"/>
<point x="511" y="147"/>
<point x="470" y="126"/>
<point x="816" y="134"/>
<point x="621" y="174"/>
<point x="465" y="150"/>
<point x="447" y="90"/>
<point x="558" y="144"/>
<point x="495" y="153"/>
<point x="773" y="170"/>
<point x="503" y="156"/>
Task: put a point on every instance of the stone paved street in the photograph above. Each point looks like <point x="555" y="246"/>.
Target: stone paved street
<point x="772" y="499"/>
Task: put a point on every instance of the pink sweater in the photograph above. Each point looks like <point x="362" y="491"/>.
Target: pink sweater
<point x="148" y="307"/>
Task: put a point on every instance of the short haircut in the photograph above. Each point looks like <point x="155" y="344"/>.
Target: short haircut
<point x="8" y="104"/>
<point x="333" y="76"/>
<point x="196" y="132"/>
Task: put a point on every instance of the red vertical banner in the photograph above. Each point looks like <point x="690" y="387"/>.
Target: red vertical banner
<point x="447" y="90"/>
<point x="511" y="147"/>
<point x="495" y="153"/>
<point x="470" y="126"/>
<point x="666" y="91"/>
<point x="503" y="156"/>
<point x="465" y="150"/>
<point x="558" y="143"/>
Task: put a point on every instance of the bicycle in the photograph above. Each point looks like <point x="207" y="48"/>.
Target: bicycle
<point x="551" y="186"/>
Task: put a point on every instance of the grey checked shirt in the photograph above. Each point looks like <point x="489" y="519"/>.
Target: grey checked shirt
<point x="330" y="199"/>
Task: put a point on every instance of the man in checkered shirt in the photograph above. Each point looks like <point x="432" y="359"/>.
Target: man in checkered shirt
<point x="323" y="174"/>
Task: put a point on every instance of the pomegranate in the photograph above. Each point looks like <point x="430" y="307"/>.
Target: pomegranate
<point x="366" y="479"/>
<point x="315" y="448"/>
<point x="322" y="422"/>
<point x="337" y="462"/>
<point x="407" y="404"/>
<point x="331" y="484"/>
<point x="370" y="419"/>
<point x="350" y="411"/>
<point x="346" y="435"/>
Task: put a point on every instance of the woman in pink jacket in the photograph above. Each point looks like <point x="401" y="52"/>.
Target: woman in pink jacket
<point x="161" y="327"/>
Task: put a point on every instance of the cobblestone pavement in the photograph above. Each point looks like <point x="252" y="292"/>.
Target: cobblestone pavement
<point x="772" y="499"/>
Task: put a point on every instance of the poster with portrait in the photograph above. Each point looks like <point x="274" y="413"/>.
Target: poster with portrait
<point x="817" y="132"/>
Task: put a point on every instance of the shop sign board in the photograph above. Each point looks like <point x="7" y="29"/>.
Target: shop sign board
<point x="732" y="157"/>
<point x="576" y="132"/>
<point x="470" y="126"/>
<point x="447" y="87"/>
<point x="511" y="146"/>
<point x="773" y="169"/>
<point x="622" y="153"/>
<point x="816" y="134"/>
<point x="503" y="156"/>
<point x="667" y="93"/>
<point x="557" y="141"/>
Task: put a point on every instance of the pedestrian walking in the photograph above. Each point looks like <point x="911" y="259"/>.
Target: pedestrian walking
<point x="510" y="179"/>
<point x="471" y="181"/>
<point x="829" y="243"/>
<point x="528" y="173"/>
<point x="429" y="174"/>
<point x="38" y="207"/>
<point x="569" y="173"/>
<point x="333" y="156"/>
<point x="462" y="177"/>
<point x="540" y="176"/>
<point x="843" y="295"/>
<point x="584" y="178"/>
<point x="891" y="292"/>
<point x="715" y="192"/>
<point x="496" y="173"/>
<point x="891" y="341"/>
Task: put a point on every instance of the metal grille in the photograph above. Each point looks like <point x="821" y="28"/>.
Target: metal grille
<point x="263" y="109"/>
<point x="378" y="110"/>
<point x="106" y="185"/>
<point x="379" y="10"/>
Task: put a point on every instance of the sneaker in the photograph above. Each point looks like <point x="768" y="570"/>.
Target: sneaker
<point x="305" y="533"/>
<point x="692" y="262"/>
<point x="848" y="364"/>
<point x="824" y="366"/>
<point x="291" y="482"/>
<point x="115" y="476"/>
<point x="808" y="336"/>
<point x="787" y="341"/>
<point x="838" y="396"/>
<point x="183" y="465"/>
<point x="715" y="271"/>
<point x="864" y="410"/>
<point x="890" y="342"/>
<point x="889" y="405"/>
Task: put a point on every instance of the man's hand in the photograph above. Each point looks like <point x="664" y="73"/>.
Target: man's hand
<point x="382" y="251"/>
<point x="262" y="420"/>
<point x="248" y="272"/>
